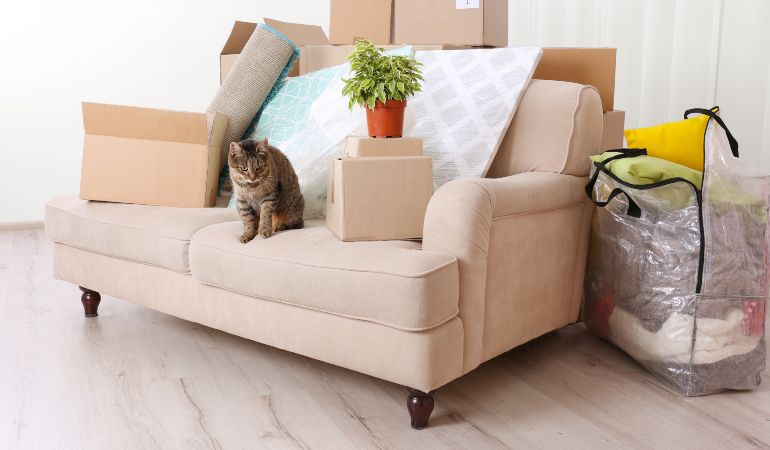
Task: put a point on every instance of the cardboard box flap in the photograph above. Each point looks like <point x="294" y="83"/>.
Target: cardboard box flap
<point x="216" y="124"/>
<point x="146" y="123"/>
<point x="300" y="34"/>
<point x="239" y="35"/>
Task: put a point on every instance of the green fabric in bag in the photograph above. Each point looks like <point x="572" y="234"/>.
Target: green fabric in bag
<point x="642" y="170"/>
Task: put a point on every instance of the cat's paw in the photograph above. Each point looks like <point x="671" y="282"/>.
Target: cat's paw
<point x="266" y="232"/>
<point x="248" y="236"/>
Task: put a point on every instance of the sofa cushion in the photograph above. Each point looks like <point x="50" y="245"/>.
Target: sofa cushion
<point x="388" y="282"/>
<point x="156" y="235"/>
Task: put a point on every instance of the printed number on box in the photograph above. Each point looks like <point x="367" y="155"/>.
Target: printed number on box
<point x="467" y="4"/>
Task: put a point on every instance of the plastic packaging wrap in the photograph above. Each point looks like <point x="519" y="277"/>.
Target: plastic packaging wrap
<point x="677" y="276"/>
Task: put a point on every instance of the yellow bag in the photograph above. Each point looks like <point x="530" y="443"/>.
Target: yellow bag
<point x="680" y="142"/>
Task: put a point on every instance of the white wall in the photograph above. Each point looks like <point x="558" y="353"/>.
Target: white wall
<point x="672" y="55"/>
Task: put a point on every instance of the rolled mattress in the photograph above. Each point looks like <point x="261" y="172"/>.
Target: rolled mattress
<point x="264" y="61"/>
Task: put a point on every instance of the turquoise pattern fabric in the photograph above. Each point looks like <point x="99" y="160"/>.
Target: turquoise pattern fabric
<point x="284" y="115"/>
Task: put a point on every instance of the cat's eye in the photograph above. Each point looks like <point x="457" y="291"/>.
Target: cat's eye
<point x="243" y="168"/>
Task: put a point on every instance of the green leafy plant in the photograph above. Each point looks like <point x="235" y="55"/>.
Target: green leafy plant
<point x="377" y="76"/>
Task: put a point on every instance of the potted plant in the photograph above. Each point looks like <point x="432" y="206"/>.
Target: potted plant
<point x="381" y="84"/>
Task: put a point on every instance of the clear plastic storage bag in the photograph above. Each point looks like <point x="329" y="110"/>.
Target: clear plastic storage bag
<point x="678" y="276"/>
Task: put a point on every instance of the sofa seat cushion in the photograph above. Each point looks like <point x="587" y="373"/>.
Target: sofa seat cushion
<point x="155" y="235"/>
<point x="393" y="283"/>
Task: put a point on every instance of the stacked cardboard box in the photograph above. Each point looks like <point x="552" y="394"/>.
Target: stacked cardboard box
<point x="379" y="190"/>
<point x="461" y="22"/>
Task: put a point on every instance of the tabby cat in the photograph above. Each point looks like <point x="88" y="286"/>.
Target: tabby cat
<point x="266" y="188"/>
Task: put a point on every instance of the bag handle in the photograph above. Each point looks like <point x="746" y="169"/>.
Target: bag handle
<point x="633" y="208"/>
<point x="712" y="113"/>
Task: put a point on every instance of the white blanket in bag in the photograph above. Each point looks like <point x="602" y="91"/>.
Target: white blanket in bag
<point x="715" y="339"/>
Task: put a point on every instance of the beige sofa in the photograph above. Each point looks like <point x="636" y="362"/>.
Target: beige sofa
<point x="501" y="262"/>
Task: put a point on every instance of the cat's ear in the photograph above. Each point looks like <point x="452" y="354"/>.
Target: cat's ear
<point x="234" y="148"/>
<point x="264" y="142"/>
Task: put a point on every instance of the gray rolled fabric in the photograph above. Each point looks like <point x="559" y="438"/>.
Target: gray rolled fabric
<point x="264" y="61"/>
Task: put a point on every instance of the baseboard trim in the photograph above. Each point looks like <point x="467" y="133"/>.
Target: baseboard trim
<point x="31" y="225"/>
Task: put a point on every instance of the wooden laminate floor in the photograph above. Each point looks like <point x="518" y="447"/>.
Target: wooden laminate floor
<point x="134" y="378"/>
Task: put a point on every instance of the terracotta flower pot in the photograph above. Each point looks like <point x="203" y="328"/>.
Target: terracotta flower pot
<point x="386" y="119"/>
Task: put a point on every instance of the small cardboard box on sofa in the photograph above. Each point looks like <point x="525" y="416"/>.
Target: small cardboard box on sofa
<point x="379" y="190"/>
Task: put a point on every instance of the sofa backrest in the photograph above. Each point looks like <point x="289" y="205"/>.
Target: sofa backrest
<point x="556" y="127"/>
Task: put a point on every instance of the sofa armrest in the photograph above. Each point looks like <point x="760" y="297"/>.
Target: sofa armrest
<point x="459" y="220"/>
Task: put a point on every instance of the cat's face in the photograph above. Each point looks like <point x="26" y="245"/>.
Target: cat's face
<point x="249" y="162"/>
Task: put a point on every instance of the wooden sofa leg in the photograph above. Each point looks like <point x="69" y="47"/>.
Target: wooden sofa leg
<point x="420" y="405"/>
<point x="90" y="300"/>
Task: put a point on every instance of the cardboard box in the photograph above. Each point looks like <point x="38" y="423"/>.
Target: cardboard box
<point x="593" y="66"/>
<point x="378" y="198"/>
<point x="317" y="57"/>
<point x="459" y="22"/>
<point x="300" y="34"/>
<point x="362" y="146"/>
<point x="350" y="20"/>
<point x="614" y="124"/>
<point x="151" y="156"/>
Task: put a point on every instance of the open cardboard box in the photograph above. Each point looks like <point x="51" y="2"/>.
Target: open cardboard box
<point x="151" y="156"/>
